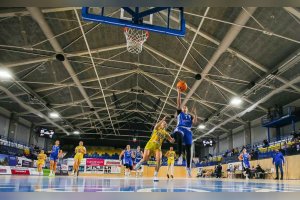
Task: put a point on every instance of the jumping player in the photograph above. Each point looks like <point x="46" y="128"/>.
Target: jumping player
<point x="245" y="157"/>
<point x="41" y="161"/>
<point x="127" y="160"/>
<point x="154" y="145"/>
<point x="79" y="153"/>
<point x="53" y="158"/>
<point x="138" y="157"/>
<point x="171" y="158"/>
<point x="183" y="132"/>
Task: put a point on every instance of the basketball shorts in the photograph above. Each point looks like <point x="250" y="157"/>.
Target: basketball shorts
<point x="170" y="161"/>
<point x="246" y="165"/>
<point x="137" y="160"/>
<point x="78" y="156"/>
<point x="40" y="162"/>
<point x="54" y="158"/>
<point x="152" y="146"/>
<point x="128" y="163"/>
<point x="186" y="133"/>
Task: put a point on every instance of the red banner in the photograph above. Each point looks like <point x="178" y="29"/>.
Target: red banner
<point x="94" y="162"/>
<point x="113" y="162"/>
<point x="20" y="172"/>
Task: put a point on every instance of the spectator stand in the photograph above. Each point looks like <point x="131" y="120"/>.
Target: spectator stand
<point x="290" y="116"/>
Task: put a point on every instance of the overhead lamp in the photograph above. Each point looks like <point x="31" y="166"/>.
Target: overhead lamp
<point x="76" y="132"/>
<point x="5" y="74"/>
<point x="54" y="115"/>
<point x="235" y="101"/>
<point x="201" y="126"/>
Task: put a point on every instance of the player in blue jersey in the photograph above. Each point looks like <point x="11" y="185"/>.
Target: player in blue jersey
<point x="127" y="160"/>
<point x="183" y="132"/>
<point x="138" y="155"/>
<point x="54" y="158"/>
<point x="245" y="158"/>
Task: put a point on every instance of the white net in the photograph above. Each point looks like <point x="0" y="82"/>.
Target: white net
<point x="135" y="39"/>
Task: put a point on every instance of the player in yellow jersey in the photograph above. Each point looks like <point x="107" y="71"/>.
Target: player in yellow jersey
<point x="79" y="153"/>
<point x="41" y="161"/>
<point x="171" y="158"/>
<point x="159" y="134"/>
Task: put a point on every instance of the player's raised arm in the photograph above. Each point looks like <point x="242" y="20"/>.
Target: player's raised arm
<point x="172" y="140"/>
<point x="178" y="99"/>
<point x="194" y="114"/>
<point x="159" y="123"/>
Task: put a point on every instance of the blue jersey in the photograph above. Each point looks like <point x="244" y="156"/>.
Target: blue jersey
<point x="127" y="158"/>
<point x="138" y="156"/>
<point x="246" y="163"/>
<point x="55" y="151"/>
<point x="127" y="154"/>
<point x="185" y="120"/>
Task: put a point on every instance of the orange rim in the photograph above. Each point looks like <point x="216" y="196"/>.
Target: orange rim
<point x="147" y="34"/>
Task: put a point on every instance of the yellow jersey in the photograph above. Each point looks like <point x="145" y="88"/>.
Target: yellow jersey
<point x="158" y="136"/>
<point x="80" y="149"/>
<point x="42" y="156"/>
<point x="171" y="155"/>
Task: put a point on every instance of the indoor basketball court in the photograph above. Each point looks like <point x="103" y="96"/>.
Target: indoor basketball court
<point x="149" y="99"/>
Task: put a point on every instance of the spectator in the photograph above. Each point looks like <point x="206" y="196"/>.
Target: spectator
<point x="278" y="161"/>
<point x="230" y="171"/>
<point x="259" y="172"/>
<point x="266" y="143"/>
<point x="219" y="171"/>
<point x="232" y="151"/>
<point x="252" y="171"/>
<point x="31" y="149"/>
<point x="226" y="153"/>
<point x="252" y="154"/>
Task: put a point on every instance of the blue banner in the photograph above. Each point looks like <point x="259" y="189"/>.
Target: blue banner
<point x="12" y="161"/>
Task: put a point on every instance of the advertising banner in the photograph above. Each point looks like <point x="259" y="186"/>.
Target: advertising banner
<point x="115" y="169"/>
<point x="34" y="171"/>
<point x="12" y="161"/>
<point x="62" y="170"/>
<point x="5" y="170"/>
<point x="26" y="163"/>
<point x="20" y="171"/>
<point x="70" y="162"/>
<point x="95" y="169"/>
<point x="151" y="163"/>
<point x="108" y="162"/>
<point x="94" y="162"/>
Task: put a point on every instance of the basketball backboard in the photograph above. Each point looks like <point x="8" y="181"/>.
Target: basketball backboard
<point x="165" y="20"/>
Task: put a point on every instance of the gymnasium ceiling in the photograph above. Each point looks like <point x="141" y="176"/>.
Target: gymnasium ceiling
<point x="136" y="86"/>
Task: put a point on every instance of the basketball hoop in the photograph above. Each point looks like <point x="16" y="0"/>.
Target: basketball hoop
<point x="135" y="39"/>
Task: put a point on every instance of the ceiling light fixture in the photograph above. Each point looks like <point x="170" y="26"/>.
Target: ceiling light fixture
<point x="235" y="101"/>
<point x="76" y="132"/>
<point x="201" y="126"/>
<point x="5" y="74"/>
<point x="54" y="115"/>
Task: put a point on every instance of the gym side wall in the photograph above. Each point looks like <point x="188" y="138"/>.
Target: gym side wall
<point x="291" y="168"/>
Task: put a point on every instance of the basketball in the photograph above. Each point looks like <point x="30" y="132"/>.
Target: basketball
<point x="182" y="86"/>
